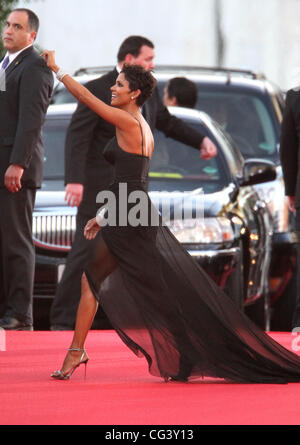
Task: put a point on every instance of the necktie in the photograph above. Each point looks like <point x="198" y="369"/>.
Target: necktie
<point x="5" y="63"/>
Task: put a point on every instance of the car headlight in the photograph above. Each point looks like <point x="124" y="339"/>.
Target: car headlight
<point x="206" y="230"/>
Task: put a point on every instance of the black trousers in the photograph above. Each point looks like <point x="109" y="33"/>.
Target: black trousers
<point x="66" y="300"/>
<point x="17" y="261"/>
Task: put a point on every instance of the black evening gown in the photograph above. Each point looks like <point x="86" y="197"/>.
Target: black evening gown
<point x="166" y="308"/>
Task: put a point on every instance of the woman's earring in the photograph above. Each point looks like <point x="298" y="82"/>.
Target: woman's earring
<point x="132" y="97"/>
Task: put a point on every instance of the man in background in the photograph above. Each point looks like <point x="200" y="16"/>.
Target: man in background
<point x="180" y="92"/>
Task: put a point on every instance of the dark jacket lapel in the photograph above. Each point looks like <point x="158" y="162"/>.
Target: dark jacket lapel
<point x="19" y="60"/>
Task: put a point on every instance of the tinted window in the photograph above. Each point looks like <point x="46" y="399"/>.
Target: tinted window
<point x="62" y="96"/>
<point x="177" y="166"/>
<point x="54" y="134"/>
<point x="246" y="116"/>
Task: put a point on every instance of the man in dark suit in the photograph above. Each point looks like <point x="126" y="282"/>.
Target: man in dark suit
<point x="23" y="104"/>
<point x="87" y="172"/>
<point x="290" y="160"/>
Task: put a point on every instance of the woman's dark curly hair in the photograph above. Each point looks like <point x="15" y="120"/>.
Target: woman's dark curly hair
<point x="139" y="79"/>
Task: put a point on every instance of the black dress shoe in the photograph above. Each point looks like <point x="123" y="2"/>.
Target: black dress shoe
<point x="13" y="324"/>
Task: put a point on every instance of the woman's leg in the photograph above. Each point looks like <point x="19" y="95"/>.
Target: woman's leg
<point x="85" y="315"/>
<point x="87" y="309"/>
<point x="100" y="267"/>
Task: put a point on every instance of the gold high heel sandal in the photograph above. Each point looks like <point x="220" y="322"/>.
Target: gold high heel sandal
<point x="59" y="375"/>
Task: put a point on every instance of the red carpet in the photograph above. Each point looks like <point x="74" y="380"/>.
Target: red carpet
<point x="119" y="391"/>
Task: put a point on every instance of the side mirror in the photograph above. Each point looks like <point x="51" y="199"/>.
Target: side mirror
<point x="257" y="171"/>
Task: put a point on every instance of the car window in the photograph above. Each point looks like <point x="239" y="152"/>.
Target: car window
<point x="62" y="96"/>
<point x="54" y="135"/>
<point x="246" y="118"/>
<point x="178" y="167"/>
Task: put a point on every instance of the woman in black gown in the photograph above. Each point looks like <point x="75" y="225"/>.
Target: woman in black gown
<point x="160" y="302"/>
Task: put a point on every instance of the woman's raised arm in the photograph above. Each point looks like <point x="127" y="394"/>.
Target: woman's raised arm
<point x="114" y="116"/>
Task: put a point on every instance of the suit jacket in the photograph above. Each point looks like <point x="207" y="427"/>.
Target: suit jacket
<point x="88" y="134"/>
<point x="23" y="105"/>
<point x="290" y="144"/>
